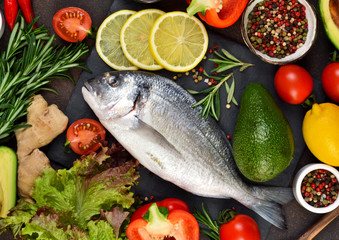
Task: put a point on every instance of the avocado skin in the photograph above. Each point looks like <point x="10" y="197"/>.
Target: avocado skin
<point x="8" y="175"/>
<point x="331" y="27"/>
<point x="263" y="143"/>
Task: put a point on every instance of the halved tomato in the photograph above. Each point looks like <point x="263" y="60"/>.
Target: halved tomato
<point x="72" y="24"/>
<point x="84" y="136"/>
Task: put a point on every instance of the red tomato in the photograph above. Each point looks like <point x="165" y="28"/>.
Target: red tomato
<point x="72" y="24"/>
<point x="330" y="81"/>
<point x="170" y="203"/>
<point x="241" y="227"/>
<point x="85" y="135"/>
<point x="186" y="228"/>
<point x="293" y="84"/>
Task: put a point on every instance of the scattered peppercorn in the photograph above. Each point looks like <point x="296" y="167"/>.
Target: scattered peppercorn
<point x="319" y="188"/>
<point x="277" y="28"/>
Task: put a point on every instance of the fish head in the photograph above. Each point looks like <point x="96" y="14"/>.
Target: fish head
<point x="112" y="95"/>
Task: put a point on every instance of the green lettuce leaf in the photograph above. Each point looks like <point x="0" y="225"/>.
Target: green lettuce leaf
<point x="18" y="216"/>
<point x="47" y="227"/>
<point x="115" y="217"/>
<point x="93" y="195"/>
<point x="101" y="230"/>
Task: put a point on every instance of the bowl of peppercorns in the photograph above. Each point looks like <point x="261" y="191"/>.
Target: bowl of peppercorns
<point x="316" y="187"/>
<point x="279" y="31"/>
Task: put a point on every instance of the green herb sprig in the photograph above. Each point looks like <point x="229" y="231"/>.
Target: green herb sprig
<point x="205" y="219"/>
<point x="211" y="103"/>
<point x="26" y="66"/>
<point x="228" y="61"/>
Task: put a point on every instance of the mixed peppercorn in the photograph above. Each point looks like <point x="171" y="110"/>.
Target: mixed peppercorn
<point x="320" y="188"/>
<point x="277" y="27"/>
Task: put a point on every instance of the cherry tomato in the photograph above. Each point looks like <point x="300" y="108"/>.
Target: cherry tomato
<point x="239" y="228"/>
<point x="330" y="81"/>
<point x="72" y="24"/>
<point x="85" y="135"/>
<point x="170" y="203"/>
<point x="293" y="84"/>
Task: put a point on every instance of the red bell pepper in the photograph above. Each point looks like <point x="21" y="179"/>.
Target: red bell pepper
<point x="219" y="14"/>
<point x="11" y="12"/>
<point x="178" y="224"/>
<point x="27" y="11"/>
<point x="170" y="203"/>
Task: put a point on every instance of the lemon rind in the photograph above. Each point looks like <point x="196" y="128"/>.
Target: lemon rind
<point x="97" y="42"/>
<point x="163" y="62"/>
<point x="123" y="46"/>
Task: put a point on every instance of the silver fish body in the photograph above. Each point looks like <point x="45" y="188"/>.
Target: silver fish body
<point x="152" y="117"/>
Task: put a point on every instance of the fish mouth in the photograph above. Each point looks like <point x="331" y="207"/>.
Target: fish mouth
<point x="88" y="86"/>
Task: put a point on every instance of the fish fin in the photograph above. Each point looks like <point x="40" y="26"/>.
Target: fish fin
<point x="269" y="204"/>
<point x="155" y="137"/>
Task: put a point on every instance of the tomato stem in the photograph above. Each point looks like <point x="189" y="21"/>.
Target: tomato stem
<point x="92" y="32"/>
<point x="310" y="100"/>
<point x="67" y="146"/>
<point x="226" y="215"/>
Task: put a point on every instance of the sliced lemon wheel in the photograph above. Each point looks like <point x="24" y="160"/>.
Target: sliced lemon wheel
<point x="108" y="41"/>
<point x="134" y="39"/>
<point x="178" y="42"/>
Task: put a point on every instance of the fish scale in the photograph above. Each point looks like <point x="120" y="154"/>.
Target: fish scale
<point x="153" y="118"/>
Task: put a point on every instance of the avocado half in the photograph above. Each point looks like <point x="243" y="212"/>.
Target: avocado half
<point x="329" y="11"/>
<point x="8" y="175"/>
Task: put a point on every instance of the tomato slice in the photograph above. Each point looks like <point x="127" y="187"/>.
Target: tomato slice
<point x="72" y="24"/>
<point x="85" y="136"/>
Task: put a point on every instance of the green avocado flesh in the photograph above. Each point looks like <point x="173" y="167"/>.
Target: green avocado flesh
<point x="263" y="143"/>
<point x="329" y="11"/>
<point x="8" y="174"/>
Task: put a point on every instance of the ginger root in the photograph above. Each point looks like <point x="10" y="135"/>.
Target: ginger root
<point x="47" y="122"/>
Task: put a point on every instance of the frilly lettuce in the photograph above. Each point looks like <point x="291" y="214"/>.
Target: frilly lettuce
<point x="91" y="198"/>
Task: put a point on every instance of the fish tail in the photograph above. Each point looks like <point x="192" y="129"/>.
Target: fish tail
<point x="269" y="201"/>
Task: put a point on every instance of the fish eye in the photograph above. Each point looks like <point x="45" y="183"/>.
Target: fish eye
<point x="112" y="80"/>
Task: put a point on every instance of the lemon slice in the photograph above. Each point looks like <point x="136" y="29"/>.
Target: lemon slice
<point x="134" y="39"/>
<point x="108" y="41"/>
<point x="178" y="42"/>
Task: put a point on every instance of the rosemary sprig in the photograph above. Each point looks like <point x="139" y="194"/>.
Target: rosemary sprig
<point x="206" y="220"/>
<point x="211" y="102"/>
<point x="228" y="61"/>
<point x="26" y="66"/>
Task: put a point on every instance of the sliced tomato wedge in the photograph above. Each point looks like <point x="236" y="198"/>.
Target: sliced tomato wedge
<point x="72" y="24"/>
<point x="85" y="135"/>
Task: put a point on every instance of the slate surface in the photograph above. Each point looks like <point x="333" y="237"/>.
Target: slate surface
<point x="262" y="72"/>
<point x="298" y="219"/>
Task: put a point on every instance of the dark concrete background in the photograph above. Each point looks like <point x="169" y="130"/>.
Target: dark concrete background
<point x="298" y="219"/>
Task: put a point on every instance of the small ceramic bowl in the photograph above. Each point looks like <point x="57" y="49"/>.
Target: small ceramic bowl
<point x="297" y="187"/>
<point x="300" y="52"/>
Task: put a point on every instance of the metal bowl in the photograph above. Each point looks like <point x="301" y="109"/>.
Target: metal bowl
<point x="299" y="53"/>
